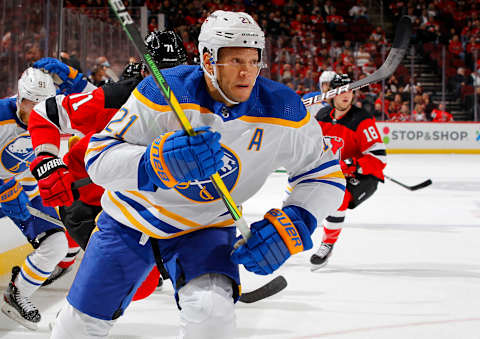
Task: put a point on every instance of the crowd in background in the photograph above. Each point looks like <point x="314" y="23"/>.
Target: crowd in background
<point x="307" y="38"/>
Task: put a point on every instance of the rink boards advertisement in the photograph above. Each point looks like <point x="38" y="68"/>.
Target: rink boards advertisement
<point x="412" y="137"/>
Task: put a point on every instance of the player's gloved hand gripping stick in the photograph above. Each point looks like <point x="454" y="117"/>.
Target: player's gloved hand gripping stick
<point x="278" y="283"/>
<point x="134" y="35"/>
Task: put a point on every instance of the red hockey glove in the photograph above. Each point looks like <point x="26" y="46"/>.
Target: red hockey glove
<point x="349" y="167"/>
<point x="54" y="180"/>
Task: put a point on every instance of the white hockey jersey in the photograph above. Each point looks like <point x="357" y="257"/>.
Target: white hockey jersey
<point x="270" y="130"/>
<point x="16" y="151"/>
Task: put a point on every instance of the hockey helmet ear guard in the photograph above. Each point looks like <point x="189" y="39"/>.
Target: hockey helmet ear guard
<point x="166" y="48"/>
<point x="228" y="29"/>
<point x="340" y="80"/>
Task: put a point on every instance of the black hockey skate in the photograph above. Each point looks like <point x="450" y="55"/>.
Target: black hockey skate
<point x="57" y="273"/>
<point x="18" y="307"/>
<point x="320" y="258"/>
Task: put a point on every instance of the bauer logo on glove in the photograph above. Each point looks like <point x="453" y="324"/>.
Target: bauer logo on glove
<point x="286" y="229"/>
<point x="11" y="193"/>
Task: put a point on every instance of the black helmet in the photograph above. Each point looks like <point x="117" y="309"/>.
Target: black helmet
<point x="166" y="48"/>
<point x="340" y="80"/>
<point x="133" y="70"/>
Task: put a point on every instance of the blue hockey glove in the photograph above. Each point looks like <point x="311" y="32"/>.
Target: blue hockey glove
<point x="174" y="158"/>
<point x="71" y="81"/>
<point x="275" y="238"/>
<point x="13" y="200"/>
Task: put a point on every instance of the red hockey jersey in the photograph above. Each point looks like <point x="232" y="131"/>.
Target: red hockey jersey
<point x="361" y="138"/>
<point x="81" y="114"/>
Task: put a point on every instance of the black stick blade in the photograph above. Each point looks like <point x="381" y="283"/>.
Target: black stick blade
<point x="421" y="185"/>
<point x="273" y="287"/>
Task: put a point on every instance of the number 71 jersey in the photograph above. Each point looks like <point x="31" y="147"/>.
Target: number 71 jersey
<point x="361" y="138"/>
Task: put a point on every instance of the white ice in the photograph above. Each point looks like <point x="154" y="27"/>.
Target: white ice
<point x="407" y="265"/>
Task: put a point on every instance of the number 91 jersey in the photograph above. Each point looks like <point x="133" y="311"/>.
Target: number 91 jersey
<point x="361" y="138"/>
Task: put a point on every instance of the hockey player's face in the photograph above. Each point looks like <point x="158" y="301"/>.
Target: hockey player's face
<point x="237" y="70"/>
<point x="26" y="107"/>
<point x="343" y="101"/>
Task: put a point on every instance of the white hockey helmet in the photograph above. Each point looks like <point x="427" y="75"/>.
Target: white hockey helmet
<point x="228" y="29"/>
<point x="326" y="77"/>
<point x="35" y="85"/>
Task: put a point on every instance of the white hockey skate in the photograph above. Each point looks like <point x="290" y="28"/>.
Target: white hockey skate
<point x="320" y="259"/>
<point x="18" y="307"/>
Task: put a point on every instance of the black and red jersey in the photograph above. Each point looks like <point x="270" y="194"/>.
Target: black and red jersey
<point x="361" y="138"/>
<point x="82" y="114"/>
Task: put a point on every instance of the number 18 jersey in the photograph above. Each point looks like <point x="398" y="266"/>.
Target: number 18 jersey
<point x="361" y="138"/>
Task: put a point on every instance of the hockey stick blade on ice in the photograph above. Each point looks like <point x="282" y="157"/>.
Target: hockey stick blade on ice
<point x="394" y="58"/>
<point x="423" y="184"/>
<point x="273" y="287"/>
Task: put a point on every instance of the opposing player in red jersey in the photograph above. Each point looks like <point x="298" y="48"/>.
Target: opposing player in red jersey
<point x="84" y="114"/>
<point x="363" y="158"/>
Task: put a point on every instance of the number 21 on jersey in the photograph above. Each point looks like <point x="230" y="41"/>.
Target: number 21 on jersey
<point x="120" y="122"/>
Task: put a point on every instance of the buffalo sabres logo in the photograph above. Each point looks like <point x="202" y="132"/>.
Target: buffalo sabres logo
<point x="204" y="190"/>
<point x="17" y="154"/>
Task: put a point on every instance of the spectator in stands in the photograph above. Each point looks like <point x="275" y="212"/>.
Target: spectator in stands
<point x="358" y="11"/>
<point x="33" y="53"/>
<point x="361" y="56"/>
<point x="386" y="104"/>
<point x="403" y="115"/>
<point x="458" y="81"/>
<point x="109" y="74"/>
<point x="455" y="47"/>
<point x="393" y="84"/>
<point x="429" y="105"/>
<point x="440" y="115"/>
<point x="334" y="21"/>
<point x="397" y="103"/>
<point x="474" y="78"/>
<point x="419" y="113"/>
<point x="377" y="111"/>
<point x="71" y="60"/>
<point x="97" y="75"/>
<point x="152" y="24"/>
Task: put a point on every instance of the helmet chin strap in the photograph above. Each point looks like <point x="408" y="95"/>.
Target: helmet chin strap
<point x="213" y="78"/>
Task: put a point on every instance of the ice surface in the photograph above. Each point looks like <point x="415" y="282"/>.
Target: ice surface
<point x="407" y="265"/>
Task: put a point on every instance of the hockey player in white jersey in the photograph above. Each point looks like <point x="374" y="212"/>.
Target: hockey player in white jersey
<point x="324" y="84"/>
<point x="17" y="189"/>
<point x="158" y="191"/>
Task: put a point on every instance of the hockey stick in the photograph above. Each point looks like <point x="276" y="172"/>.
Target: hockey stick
<point x="423" y="184"/>
<point x="273" y="287"/>
<point x="394" y="58"/>
<point x="134" y="36"/>
<point x="42" y="215"/>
